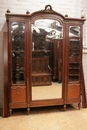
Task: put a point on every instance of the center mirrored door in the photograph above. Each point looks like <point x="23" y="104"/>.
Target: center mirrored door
<point x="47" y="46"/>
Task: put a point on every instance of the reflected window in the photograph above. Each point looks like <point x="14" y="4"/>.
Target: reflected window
<point x="74" y="31"/>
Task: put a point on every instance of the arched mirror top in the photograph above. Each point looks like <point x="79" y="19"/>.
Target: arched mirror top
<point x="48" y="27"/>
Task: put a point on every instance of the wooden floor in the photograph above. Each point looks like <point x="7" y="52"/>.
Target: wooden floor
<point x="46" y="118"/>
<point x="53" y="91"/>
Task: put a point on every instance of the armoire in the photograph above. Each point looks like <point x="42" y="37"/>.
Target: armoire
<point x="42" y="60"/>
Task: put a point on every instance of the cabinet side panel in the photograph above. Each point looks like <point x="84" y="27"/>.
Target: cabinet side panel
<point x="5" y="102"/>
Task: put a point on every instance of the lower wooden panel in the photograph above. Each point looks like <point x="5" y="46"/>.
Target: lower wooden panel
<point x="18" y="94"/>
<point x="18" y="105"/>
<point x="73" y="91"/>
<point x="41" y="103"/>
<point x="74" y="100"/>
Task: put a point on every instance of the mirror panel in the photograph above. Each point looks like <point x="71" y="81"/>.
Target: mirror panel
<point x="74" y="54"/>
<point x="18" y="53"/>
<point x="47" y="39"/>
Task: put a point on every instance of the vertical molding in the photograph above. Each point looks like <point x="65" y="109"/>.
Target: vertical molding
<point x="5" y="93"/>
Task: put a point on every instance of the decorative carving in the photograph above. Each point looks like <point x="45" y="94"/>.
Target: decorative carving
<point x="48" y="9"/>
<point x="8" y="11"/>
<point x="66" y="15"/>
<point x="27" y="12"/>
<point x="73" y="87"/>
<point x="18" y="90"/>
<point x="82" y="17"/>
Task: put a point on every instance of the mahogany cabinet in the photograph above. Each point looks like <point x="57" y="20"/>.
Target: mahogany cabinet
<point x="44" y="60"/>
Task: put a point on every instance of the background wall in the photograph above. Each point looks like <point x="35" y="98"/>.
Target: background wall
<point x="74" y="8"/>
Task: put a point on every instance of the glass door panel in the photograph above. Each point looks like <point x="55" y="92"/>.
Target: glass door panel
<point x="18" y="53"/>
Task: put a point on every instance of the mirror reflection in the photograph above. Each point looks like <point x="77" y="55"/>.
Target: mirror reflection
<point x="74" y="54"/>
<point x="74" y="31"/>
<point x="47" y="39"/>
<point x="18" y="53"/>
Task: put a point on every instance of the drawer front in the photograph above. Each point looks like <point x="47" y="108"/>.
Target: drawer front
<point x="73" y="91"/>
<point x="18" y="94"/>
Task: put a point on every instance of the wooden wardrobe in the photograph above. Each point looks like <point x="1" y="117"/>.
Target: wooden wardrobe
<point x="42" y="60"/>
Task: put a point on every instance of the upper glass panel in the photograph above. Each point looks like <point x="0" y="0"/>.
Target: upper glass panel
<point x="18" y="53"/>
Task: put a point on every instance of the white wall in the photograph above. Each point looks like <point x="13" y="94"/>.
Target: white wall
<point x="74" y="8"/>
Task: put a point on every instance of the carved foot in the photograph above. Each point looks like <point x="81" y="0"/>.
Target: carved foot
<point x="10" y="112"/>
<point x="28" y="110"/>
<point x="64" y="107"/>
<point x="78" y="106"/>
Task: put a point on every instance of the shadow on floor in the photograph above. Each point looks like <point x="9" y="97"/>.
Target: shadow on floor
<point x="42" y="110"/>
